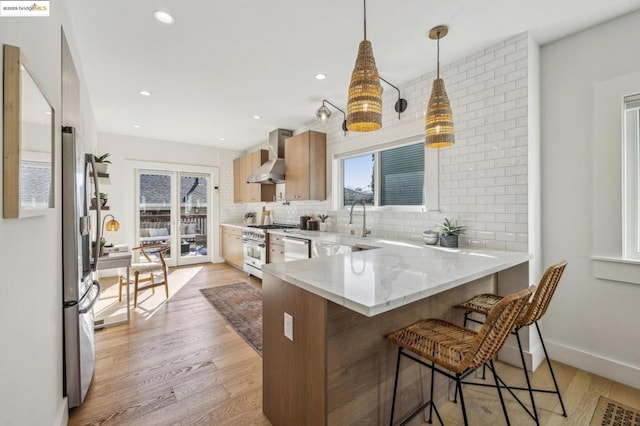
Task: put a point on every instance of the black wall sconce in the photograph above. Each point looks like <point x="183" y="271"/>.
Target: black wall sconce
<point x="401" y="104"/>
<point x="323" y="113"/>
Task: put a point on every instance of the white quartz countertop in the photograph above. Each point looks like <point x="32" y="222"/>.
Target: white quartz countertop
<point x="234" y="225"/>
<point x="393" y="274"/>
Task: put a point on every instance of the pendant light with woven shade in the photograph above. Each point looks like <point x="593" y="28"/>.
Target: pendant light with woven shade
<point x="439" y="120"/>
<point x="364" y="107"/>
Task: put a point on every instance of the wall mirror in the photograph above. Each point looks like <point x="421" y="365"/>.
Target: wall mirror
<point x="28" y="139"/>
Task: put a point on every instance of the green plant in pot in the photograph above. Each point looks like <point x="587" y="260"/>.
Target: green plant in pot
<point x="102" y="162"/>
<point x="449" y="233"/>
<point x="103" y="200"/>
<point x="323" y="222"/>
<point x="249" y="217"/>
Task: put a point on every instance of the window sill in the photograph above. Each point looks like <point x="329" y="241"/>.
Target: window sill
<point x="616" y="269"/>
<point x="405" y="209"/>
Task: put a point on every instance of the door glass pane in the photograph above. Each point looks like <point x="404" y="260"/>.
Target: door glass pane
<point x="155" y="210"/>
<point x="193" y="215"/>
<point x="358" y="179"/>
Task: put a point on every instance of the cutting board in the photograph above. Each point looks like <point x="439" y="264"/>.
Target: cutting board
<point x="265" y="213"/>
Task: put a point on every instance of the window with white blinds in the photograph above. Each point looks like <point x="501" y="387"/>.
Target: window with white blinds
<point x="387" y="177"/>
<point x="631" y="131"/>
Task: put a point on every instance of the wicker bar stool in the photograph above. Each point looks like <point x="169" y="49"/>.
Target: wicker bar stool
<point x="483" y="303"/>
<point x="457" y="350"/>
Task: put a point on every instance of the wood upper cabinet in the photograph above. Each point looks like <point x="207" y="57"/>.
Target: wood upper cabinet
<point x="244" y="192"/>
<point x="305" y="162"/>
<point x="239" y="180"/>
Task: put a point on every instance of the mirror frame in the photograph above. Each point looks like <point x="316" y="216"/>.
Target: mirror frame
<point x="15" y="64"/>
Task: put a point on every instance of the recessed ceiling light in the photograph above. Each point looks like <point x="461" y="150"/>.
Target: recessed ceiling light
<point x="145" y="93"/>
<point x="257" y="117"/>
<point x="163" y="17"/>
<point x="137" y="126"/>
<point x="321" y="76"/>
<point x="221" y="139"/>
<point x="48" y="112"/>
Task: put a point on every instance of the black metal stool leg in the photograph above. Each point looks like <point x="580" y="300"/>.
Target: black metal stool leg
<point x="553" y="376"/>
<point x="495" y="378"/>
<point x="455" y="394"/>
<point x="526" y="375"/>
<point x="433" y="373"/>
<point x="395" y="386"/>
<point x="464" y="410"/>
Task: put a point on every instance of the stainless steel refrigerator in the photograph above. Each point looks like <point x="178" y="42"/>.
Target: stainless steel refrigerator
<point x="80" y="285"/>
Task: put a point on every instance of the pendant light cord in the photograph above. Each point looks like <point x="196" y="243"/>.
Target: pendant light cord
<point x="438" y="67"/>
<point x="365" y="18"/>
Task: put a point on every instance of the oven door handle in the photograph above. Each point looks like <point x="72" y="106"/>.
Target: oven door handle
<point x="253" y="242"/>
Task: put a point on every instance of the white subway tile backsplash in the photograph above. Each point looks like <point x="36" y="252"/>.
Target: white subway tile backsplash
<point x="513" y="246"/>
<point x="506" y="236"/>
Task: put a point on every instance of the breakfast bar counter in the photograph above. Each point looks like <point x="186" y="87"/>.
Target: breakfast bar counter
<point x="338" y="368"/>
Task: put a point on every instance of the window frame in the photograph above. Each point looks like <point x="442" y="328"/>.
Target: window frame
<point x="430" y="184"/>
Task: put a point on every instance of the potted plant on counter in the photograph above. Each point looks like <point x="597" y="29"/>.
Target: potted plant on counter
<point x="323" y="222"/>
<point x="449" y="233"/>
<point x="249" y="218"/>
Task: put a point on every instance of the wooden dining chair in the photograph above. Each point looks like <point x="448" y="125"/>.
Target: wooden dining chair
<point x="456" y="349"/>
<point x="154" y="271"/>
<point x="483" y="303"/>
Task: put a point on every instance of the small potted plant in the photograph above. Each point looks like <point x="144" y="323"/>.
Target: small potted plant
<point x="102" y="163"/>
<point x="249" y="218"/>
<point x="323" y="222"/>
<point x="103" y="200"/>
<point x="449" y="233"/>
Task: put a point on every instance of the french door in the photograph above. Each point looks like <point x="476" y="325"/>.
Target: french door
<point x="174" y="208"/>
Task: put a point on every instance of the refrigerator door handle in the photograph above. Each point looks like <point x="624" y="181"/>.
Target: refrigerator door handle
<point x="96" y="188"/>
<point x="95" y="284"/>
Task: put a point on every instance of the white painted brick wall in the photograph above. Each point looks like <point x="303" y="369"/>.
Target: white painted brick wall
<point x="483" y="177"/>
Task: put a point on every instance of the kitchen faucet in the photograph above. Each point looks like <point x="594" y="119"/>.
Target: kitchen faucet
<point x="365" y="231"/>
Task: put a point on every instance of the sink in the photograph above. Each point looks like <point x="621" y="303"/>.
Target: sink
<point x="329" y="248"/>
<point x="360" y="247"/>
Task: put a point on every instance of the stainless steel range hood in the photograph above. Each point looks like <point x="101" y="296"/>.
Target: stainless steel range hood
<point x="273" y="170"/>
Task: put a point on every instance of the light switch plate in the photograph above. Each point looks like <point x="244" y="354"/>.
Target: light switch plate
<point x="288" y="326"/>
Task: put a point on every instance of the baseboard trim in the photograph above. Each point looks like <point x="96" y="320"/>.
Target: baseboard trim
<point x="611" y="369"/>
<point x="63" y="413"/>
<point x="510" y="354"/>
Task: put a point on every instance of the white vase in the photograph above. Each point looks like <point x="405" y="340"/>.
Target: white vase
<point x="323" y="227"/>
<point x="102" y="168"/>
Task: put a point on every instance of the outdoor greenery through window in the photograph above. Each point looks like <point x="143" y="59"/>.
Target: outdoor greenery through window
<point x="631" y="233"/>
<point x="390" y="177"/>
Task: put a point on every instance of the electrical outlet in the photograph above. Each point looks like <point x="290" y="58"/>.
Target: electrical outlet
<point x="288" y="326"/>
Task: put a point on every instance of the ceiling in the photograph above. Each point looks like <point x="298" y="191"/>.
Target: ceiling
<point x="222" y="62"/>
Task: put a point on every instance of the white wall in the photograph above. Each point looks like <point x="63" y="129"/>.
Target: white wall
<point x="127" y="151"/>
<point x="592" y="323"/>
<point x="483" y="177"/>
<point x="31" y="262"/>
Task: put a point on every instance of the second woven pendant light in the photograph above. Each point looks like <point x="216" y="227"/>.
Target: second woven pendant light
<point x="364" y="107"/>
<point x="439" y="119"/>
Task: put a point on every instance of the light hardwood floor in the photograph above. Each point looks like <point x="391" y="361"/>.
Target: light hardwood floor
<point x="184" y="365"/>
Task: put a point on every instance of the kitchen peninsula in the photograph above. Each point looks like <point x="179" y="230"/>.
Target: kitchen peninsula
<point x="339" y="368"/>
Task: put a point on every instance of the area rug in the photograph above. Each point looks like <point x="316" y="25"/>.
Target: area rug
<point x="611" y="413"/>
<point x="241" y="305"/>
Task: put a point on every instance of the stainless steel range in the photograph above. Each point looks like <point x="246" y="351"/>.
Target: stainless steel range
<point x="254" y="239"/>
